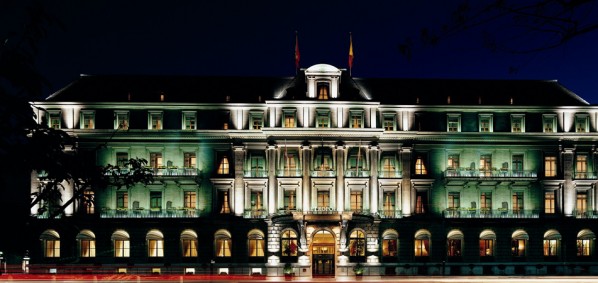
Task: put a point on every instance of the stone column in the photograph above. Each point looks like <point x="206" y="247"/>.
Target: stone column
<point x="406" y="190"/>
<point x="239" y="200"/>
<point x="569" y="196"/>
<point x="374" y="198"/>
<point x="270" y="198"/>
<point x="306" y="184"/>
<point x="340" y="177"/>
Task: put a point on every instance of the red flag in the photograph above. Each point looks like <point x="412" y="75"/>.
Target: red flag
<point x="350" y="51"/>
<point x="297" y="55"/>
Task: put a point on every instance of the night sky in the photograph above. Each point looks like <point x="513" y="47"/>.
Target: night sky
<point x="257" y="38"/>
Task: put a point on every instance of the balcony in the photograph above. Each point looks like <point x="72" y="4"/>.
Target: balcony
<point x="585" y="214"/>
<point x="289" y="173"/>
<point x="161" y="171"/>
<point x="489" y="213"/>
<point x="493" y="173"/>
<point x="357" y="173"/>
<point x="390" y="213"/>
<point x="323" y="173"/>
<point x="151" y="213"/>
<point x="585" y="176"/>
<point x="255" y="173"/>
<point x="255" y="213"/>
<point x="390" y="174"/>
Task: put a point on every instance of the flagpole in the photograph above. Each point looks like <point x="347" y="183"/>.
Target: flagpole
<point x="350" y="53"/>
<point x="297" y="54"/>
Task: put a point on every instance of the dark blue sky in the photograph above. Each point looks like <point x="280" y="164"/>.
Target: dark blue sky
<point x="257" y="38"/>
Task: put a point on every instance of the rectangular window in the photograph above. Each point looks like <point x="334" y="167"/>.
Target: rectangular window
<point x="581" y="203"/>
<point x="223" y="246"/>
<point x="389" y="203"/>
<point x="454" y="247"/>
<point x="581" y="123"/>
<point x="290" y="163"/>
<point x="486" y="247"/>
<point x="356" y="119"/>
<point x="156" y="200"/>
<point x="388" y="166"/>
<point x="518" y="202"/>
<point x="485" y="123"/>
<point x="323" y="119"/>
<point x="422" y="247"/>
<point x="453" y="162"/>
<point x="581" y="166"/>
<point x="517" y="123"/>
<point x="256" y="120"/>
<point x="323" y="199"/>
<point x="156" y="160"/>
<point x="87" y="120"/>
<point x="420" y="166"/>
<point x="486" y="201"/>
<point x="583" y="247"/>
<point x="155" y="248"/>
<point x="289" y="199"/>
<point x="549" y="123"/>
<point x="122" y="200"/>
<point x="122" y="159"/>
<point x="550" y="166"/>
<point x="88" y="202"/>
<point x="121" y="120"/>
<point x="189" y="160"/>
<point x="551" y="247"/>
<point x="257" y="202"/>
<point x="518" y="247"/>
<point x="190" y="200"/>
<point x="189" y="121"/>
<point x="256" y="247"/>
<point x="52" y="248"/>
<point x="155" y="121"/>
<point x="356" y="200"/>
<point x="122" y="248"/>
<point x="421" y="202"/>
<point x="224" y="166"/>
<point x="486" y="165"/>
<point x="224" y="202"/>
<point x="549" y="202"/>
<point x="388" y="122"/>
<point x="389" y="247"/>
<point x="323" y="91"/>
<point x="54" y="122"/>
<point x="517" y="164"/>
<point x="454" y="200"/>
<point x="289" y="119"/>
<point x="189" y="247"/>
<point x="453" y="122"/>
<point x="87" y="248"/>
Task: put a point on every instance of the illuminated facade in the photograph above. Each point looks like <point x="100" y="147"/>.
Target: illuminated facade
<point x="323" y="170"/>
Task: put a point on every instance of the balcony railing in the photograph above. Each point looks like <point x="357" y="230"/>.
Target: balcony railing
<point x="586" y="214"/>
<point x="490" y="213"/>
<point x="390" y="174"/>
<point x="493" y="173"/>
<point x="255" y="173"/>
<point x="323" y="173"/>
<point x="166" y="171"/>
<point x="289" y="173"/>
<point x="357" y="173"/>
<point x="151" y="213"/>
<point x="255" y="213"/>
<point x="585" y="176"/>
<point x="390" y="213"/>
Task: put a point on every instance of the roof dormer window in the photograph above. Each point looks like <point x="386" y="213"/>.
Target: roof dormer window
<point x="323" y="90"/>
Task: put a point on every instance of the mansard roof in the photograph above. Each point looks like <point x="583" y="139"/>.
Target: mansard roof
<point x="392" y="91"/>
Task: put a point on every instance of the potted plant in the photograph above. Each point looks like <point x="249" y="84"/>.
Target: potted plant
<point x="287" y="270"/>
<point x="358" y="269"/>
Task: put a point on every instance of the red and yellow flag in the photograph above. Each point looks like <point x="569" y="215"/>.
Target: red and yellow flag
<point x="350" y="51"/>
<point x="297" y="55"/>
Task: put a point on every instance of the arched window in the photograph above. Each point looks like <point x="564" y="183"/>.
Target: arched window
<point x="121" y="243"/>
<point x="255" y="243"/>
<point x="288" y="243"/>
<point x="552" y="243"/>
<point x="357" y="243"/>
<point x="487" y="239"/>
<point x="87" y="243"/>
<point x="422" y="243"/>
<point x="585" y="242"/>
<point x="155" y="243"/>
<point x="519" y="243"/>
<point x="223" y="243"/>
<point x="189" y="243"/>
<point x="50" y="243"/>
<point x="390" y="243"/>
<point x="454" y="243"/>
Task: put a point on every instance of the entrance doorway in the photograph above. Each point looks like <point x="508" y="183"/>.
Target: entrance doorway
<point x="322" y="250"/>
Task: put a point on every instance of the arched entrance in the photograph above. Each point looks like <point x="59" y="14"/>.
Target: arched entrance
<point x="322" y="251"/>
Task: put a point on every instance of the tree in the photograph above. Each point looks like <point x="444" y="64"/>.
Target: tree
<point x="518" y="27"/>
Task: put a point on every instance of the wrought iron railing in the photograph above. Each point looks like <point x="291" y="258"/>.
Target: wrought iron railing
<point x="492" y="173"/>
<point x="289" y="173"/>
<point x="255" y="213"/>
<point x="585" y="175"/>
<point x="586" y="214"/>
<point x="390" y="174"/>
<point x="323" y="173"/>
<point x="357" y="173"/>
<point x="390" y="213"/>
<point x="490" y="213"/>
<point x="151" y="213"/>
<point x="255" y="173"/>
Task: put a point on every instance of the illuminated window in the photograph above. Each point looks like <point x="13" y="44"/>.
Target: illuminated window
<point x="517" y="202"/>
<point x="289" y="199"/>
<point x="156" y="200"/>
<point x="486" y="201"/>
<point x="87" y="120"/>
<point x="585" y="242"/>
<point x="356" y="117"/>
<point x="550" y="166"/>
<point x="155" y="120"/>
<point x="323" y="199"/>
<point x="323" y="119"/>
<point x="581" y="123"/>
<point x="256" y="120"/>
<point x="121" y="243"/>
<point x="454" y="200"/>
<point x="421" y="202"/>
<point x="88" y="202"/>
<point x="422" y="243"/>
<point x="190" y="199"/>
<point x="388" y="122"/>
<point x="581" y="166"/>
<point x="388" y="166"/>
<point x="122" y="200"/>
<point x="323" y="159"/>
<point x="454" y="243"/>
<point x="453" y="122"/>
<point x="518" y="243"/>
<point x="323" y="90"/>
<point x="289" y="118"/>
<point x="224" y="202"/>
<point x="552" y="243"/>
<point x="255" y="243"/>
<point x="288" y="242"/>
<point x="223" y="243"/>
<point x="50" y="243"/>
<point x="257" y="164"/>
<point x="356" y="200"/>
<point x="581" y="203"/>
<point x="453" y="162"/>
<point x="121" y="120"/>
<point x="486" y="165"/>
<point x="420" y="166"/>
<point x="517" y="123"/>
<point x="357" y="243"/>
<point x="290" y="163"/>
<point x="55" y="121"/>
<point x="485" y="123"/>
<point x="256" y="200"/>
<point x="487" y="239"/>
<point x="155" y="160"/>
<point x="155" y="243"/>
<point x="87" y="243"/>
<point x="549" y="123"/>
<point x="189" y="243"/>
<point x="390" y="243"/>
<point x="189" y="160"/>
<point x="356" y="162"/>
<point x="189" y="120"/>
<point x="223" y="167"/>
<point x="388" y="203"/>
<point x="549" y="202"/>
